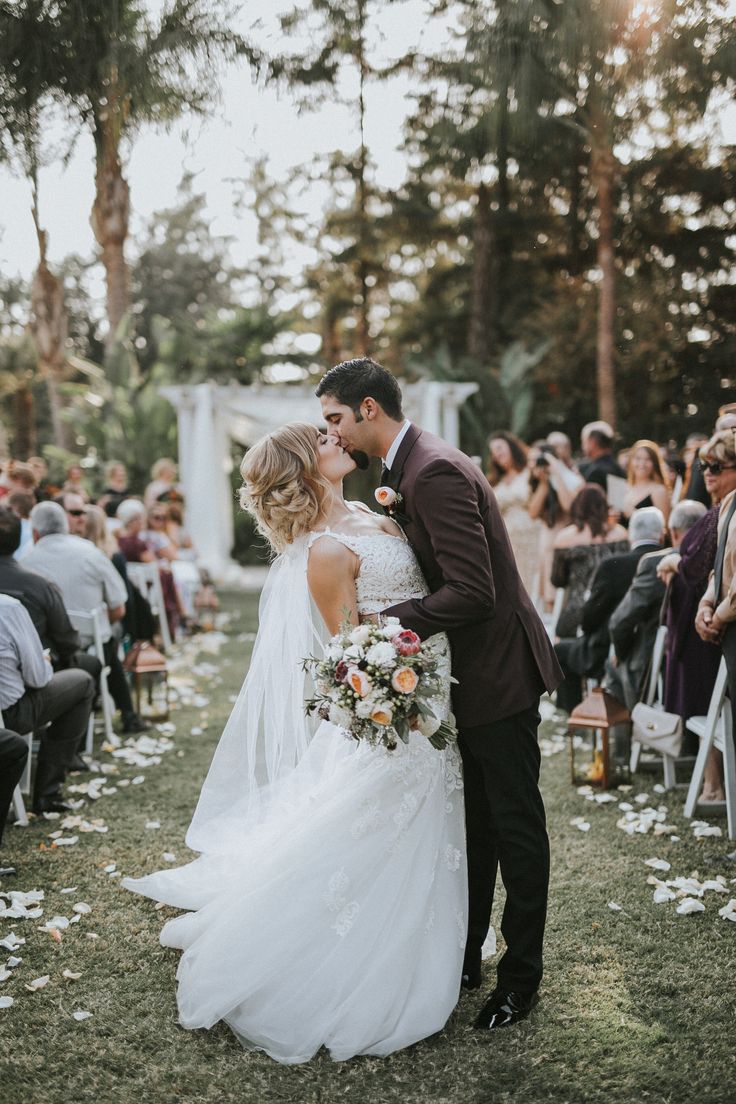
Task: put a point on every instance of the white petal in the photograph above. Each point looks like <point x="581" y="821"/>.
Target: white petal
<point x="657" y="864"/>
<point x="79" y="1015"/>
<point x="614" y="907"/>
<point x="82" y="908"/>
<point x="70" y="975"/>
<point x="169" y="856"/>
<point x="689" y="905"/>
<point x="38" y="983"/>
<point x="6" y="1002"/>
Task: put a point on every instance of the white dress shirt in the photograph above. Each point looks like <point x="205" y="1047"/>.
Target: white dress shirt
<point x="22" y="662"/>
<point x="391" y="454"/>
<point x="83" y="574"/>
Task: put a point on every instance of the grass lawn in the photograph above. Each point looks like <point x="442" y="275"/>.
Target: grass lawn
<point x="638" y="1003"/>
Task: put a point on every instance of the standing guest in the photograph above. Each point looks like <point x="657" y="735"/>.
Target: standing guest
<point x="562" y="446"/>
<point x="509" y="477"/>
<point x="648" y="480"/>
<point x="596" y="441"/>
<point x="716" y="618"/>
<point x="579" y="548"/>
<point x="21" y="504"/>
<point x="44" y="489"/>
<point x="163" y="486"/>
<point x="32" y="696"/>
<point x="553" y="487"/>
<point x="75" y="508"/>
<point x="116" y="487"/>
<point x="74" y="482"/>
<point x="13" y="758"/>
<point x="87" y="581"/>
<point x="693" y="483"/>
<point x="691" y="665"/>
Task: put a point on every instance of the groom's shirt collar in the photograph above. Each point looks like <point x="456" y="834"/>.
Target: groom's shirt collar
<point x="391" y="454"/>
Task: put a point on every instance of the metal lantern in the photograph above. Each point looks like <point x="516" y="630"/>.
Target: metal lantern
<point x="150" y="681"/>
<point x="598" y="713"/>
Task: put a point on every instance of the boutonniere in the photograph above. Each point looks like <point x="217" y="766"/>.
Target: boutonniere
<point x="389" y="499"/>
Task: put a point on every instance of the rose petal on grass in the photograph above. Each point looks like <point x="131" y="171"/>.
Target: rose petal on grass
<point x="662" y="894"/>
<point x="70" y="975"/>
<point x="657" y="864"/>
<point x="38" y="983"/>
<point x="169" y="856"/>
<point x="12" y="962"/>
<point x="4" y="973"/>
<point x="615" y="907"/>
<point x="110" y="868"/>
<point x="80" y="1015"/>
<point x="69" y="889"/>
<point x="6" y="1002"/>
<point x="689" y="905"/>
<point x="82" y="908"/>
<point x="153" y="824"/>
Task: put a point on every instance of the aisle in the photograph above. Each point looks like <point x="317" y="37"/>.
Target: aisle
<point x="93" y="1016"/>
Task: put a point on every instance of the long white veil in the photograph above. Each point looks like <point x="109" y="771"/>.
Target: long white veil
<point x="268" y="730"/>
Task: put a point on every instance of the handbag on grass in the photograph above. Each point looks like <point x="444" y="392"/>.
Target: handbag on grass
<point x="657" y="729"/>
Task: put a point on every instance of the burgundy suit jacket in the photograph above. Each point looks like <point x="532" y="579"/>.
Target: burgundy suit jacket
<point x="501" y="655"/>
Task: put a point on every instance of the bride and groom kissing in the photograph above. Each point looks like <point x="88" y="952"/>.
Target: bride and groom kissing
<point x="343" y="893"/>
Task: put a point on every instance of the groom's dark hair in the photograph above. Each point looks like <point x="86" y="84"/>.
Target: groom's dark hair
<point x="355" y="380"/>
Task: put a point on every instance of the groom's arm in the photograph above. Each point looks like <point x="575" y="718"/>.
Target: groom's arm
<point x="445" y="502"/>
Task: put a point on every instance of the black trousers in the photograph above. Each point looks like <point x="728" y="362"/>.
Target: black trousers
<point x="13" y="755"/>
<point x="65" y="702"/>
<point x="506" y="828"/>
<point x="116" y="681"/>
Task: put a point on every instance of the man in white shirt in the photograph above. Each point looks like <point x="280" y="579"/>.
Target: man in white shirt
<point x="87" y="580"/>
<point x="32" y="696"/>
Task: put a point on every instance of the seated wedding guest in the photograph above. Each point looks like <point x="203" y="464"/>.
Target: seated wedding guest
<point x="648" y="480"/>
<point x="596" y="441"/>
<point x="552" y="488"/>
<point x="584" y="655"/>
<point x="579" y="548"/>
<point x="691" y="665"/>
<point x="75" y="508"/>
<point x="13" y="758"/>
<point x="716" y="617"/>
<point x="32" y="696"/>
<point x="22" y="504"/>
<point x="633" y="624"/>
<point x="44" y="489"/>
<point x="138" y="621"/>
<point x="41" y="598"/>
<point x="509" y="476"/>
<point x="132" y="516"/>
<point x="163" y="486"/>
<point x="87" y="580"/>
<point x="116" y="487"/>
<point x="74" y="482"/>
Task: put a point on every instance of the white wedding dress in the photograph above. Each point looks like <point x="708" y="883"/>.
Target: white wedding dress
<point x="336" y="916"/>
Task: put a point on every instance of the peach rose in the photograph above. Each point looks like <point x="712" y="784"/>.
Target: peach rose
<point x="405" y="680"/>
<point x="382" y="714"/>
<point x="386" y="496"/>
<point x="358" y="681"/>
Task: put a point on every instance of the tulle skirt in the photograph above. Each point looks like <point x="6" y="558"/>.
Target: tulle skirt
<point x="338" y="917"/>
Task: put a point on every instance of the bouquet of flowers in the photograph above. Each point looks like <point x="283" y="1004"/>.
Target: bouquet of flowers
<point x="377" y="682"/>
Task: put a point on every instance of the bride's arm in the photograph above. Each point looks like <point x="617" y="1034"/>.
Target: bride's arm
<point x="331" y="573"/>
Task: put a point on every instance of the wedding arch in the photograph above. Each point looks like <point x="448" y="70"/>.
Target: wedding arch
<point x="211" y="416"/>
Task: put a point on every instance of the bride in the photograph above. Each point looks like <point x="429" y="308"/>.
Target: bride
<point x="327" y="906"/>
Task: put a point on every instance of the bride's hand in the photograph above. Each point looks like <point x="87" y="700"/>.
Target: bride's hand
<point x="368" y="618"/>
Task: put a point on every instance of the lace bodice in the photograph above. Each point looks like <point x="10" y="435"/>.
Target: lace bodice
<point x="389" y="571"/>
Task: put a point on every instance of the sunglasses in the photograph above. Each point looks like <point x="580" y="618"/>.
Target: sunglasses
<point x="76" y="513"/>
<point x="715" y="467"/>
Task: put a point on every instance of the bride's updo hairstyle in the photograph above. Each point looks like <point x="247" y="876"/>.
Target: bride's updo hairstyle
<point x="283" y="489"/>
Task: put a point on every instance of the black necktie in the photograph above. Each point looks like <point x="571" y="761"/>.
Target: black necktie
<point x="721" y="553"/>
<point x="386" y="480"/>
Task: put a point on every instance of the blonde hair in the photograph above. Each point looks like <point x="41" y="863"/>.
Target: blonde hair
<point x="721" y="447"/>
<point x="654" y="452"/>
<point x="96" y="530"/>
<point x="165" y="464"/>
<point x="283" y="489"/>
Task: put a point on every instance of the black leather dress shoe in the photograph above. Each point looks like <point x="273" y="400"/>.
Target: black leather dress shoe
<point x="505" y="1008"/>
<point x="133" y="724"/>
<point x="52" y="805"/>
<point x="7" y="871"/>
<point x="78" y="764"/>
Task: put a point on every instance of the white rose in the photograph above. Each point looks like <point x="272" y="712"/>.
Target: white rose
<point x="361" y="635"/>
<point x="382" y="654"/>
<point x="428" y="725"/>
<point x="339" y="716"/>
<point x="333" y="651"/>
<point x="364" y="708"/>
<point x="354" y="652"/>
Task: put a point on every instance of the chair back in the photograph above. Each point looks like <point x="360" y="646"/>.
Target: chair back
<point x="146" y="578"/>
<point x="89" y="622"/>
<point x="654" y="683"/>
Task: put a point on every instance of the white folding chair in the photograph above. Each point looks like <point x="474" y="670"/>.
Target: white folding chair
<point x="653" y="696"/>
<point x="89" y="623"/>
<point x="24" y="785"/>
<point x="715" y="730"/>
<point x="146" y="577"/>
<point x="550" y="620"/>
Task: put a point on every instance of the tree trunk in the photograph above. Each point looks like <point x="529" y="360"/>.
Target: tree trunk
<point x="479" y="330"/>
<point x="24" y="420"/>
<point x="49" y="325"/>
<point x="363" y="339"/>
<point x="109" y="219"/>
<point x="603" y="171"/>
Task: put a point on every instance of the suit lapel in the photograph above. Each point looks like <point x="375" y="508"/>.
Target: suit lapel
<point x="410" y="438"/>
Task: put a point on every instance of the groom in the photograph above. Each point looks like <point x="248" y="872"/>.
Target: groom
<point x="501" y="658"/>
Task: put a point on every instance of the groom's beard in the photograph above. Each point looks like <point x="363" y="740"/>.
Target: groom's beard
<point x="362" y="460"/>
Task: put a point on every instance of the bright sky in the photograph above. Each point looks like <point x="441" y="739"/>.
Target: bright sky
<point x="249" y="122"/>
